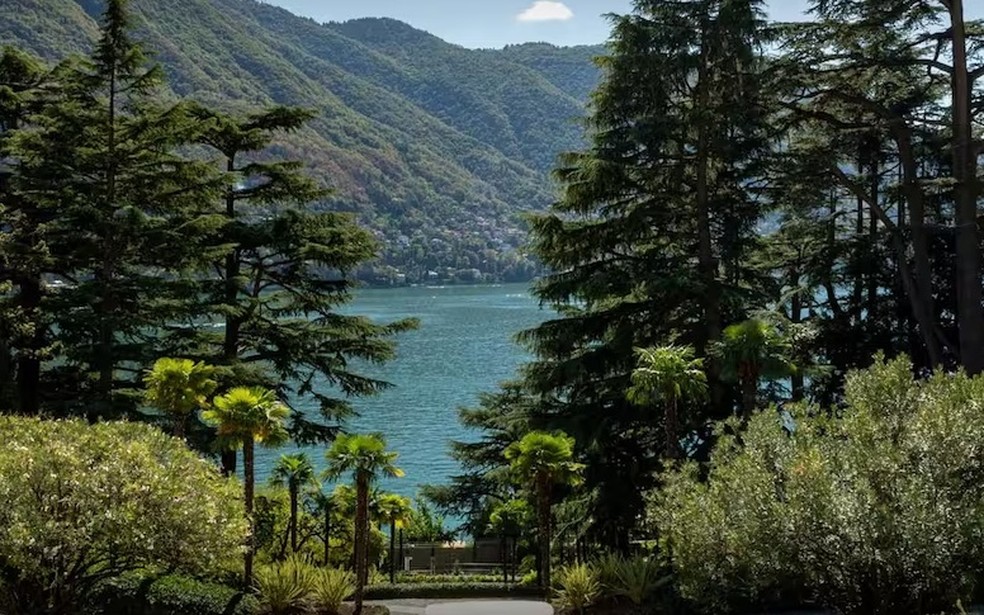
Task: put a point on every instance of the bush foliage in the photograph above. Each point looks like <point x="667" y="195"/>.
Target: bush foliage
<point x="84" y="503"/>
<point x="142" y="594"/>
<point x="875" y="508"/>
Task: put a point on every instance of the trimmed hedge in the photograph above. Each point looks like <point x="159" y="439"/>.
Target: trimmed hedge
<point x="139" y="594"/>
<point x="450" y="591"/>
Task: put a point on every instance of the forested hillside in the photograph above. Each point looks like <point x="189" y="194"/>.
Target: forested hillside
<point x="437" y="148"/>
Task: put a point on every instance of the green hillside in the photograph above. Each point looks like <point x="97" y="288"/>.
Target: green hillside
<point x="436" y="147"/>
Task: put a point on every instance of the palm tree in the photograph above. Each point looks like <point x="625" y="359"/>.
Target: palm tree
<point x="245" y="416"/>
<point x="542" y="460"/>
<point x="668" y="374"/>
<point x="396" y="511"/>
<point x="364" y="457"/>
<point x="750" y="351"/>
<point x="293" y="472"/>
<point x="508" y="519"/>
<point x="179" y="387"/>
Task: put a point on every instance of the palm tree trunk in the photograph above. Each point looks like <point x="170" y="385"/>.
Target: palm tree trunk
<point x="248" y="476"/>
<point x="393" y="551"/>
<point x="327" y="533"/>
<point x="543" y="510"/>
<point x="361" y="538"/>
<point x="505" y="558"/>
<point x="293" y="518"/>
<point x="671" y="419"/>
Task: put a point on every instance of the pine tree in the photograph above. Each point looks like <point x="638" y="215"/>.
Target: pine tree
<point x="277" y="270"/>
<point x="124" y="213"/>
<point x="872" y="77"/>
<point x="22" y="259"/>
<point x="650" y="239"/>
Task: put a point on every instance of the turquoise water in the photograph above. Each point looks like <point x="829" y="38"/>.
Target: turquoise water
<point x="464" y="347"/>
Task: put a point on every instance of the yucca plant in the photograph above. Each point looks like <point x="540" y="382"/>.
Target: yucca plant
<point x="287" y="588"/>
<point x="332" y="587"/>
<point x="578" y="587"/>
<point x="607" y="567"/>
<point x="637" y="578"/>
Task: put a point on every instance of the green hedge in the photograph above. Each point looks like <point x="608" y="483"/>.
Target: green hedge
<point x="450" y="591"/>
<point x="139" y="594"/>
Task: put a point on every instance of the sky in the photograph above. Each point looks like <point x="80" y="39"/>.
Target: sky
<point x="495" y="23"/>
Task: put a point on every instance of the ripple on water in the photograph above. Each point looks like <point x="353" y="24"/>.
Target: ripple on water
<point x="464" y="347"/>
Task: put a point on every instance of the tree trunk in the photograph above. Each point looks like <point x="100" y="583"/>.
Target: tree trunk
<point x="248" y="445"/>
<point x="749" y="392"/>
<point x="401" y="547"/>
<point x="543" y="535"/>
<point x="293" y="518"/>
<point x="29" y="361"/>
<point x="361" y="538"/>
<point x="327" y="533"/>
<point x="392" y="551"/>
<point x="797" y="384"/>
<point x="672" y="439"/>
<point x="969" y="295"/>
<point x="228" y="458"/>
<point x="707" y="264"/>
<point x="505" y="558"/>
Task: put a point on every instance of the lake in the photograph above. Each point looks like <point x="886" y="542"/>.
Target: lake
<point x="464" y="347"/>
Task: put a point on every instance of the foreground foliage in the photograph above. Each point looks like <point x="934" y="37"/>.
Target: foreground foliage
<point x="83" y="504"/>
<point x="878" y="508"/>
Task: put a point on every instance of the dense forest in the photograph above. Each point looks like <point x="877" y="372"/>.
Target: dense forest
<point x="439" y="150"/>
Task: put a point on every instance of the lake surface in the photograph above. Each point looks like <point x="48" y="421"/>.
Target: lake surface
<point x="464" y="347"/>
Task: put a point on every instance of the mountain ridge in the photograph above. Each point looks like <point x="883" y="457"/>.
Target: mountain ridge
<point x="436" y="147"/>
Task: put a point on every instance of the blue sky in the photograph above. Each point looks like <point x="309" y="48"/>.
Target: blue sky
<point x="494" y="23"/>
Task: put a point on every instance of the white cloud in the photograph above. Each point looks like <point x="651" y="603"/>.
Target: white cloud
<point x="546" y="10"/>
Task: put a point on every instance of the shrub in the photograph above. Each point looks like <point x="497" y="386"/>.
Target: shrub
<point x="286" y="588"/>
<point x="578" y="587"/>
<point x="449" y="591"/>
<point x="85" y="503"/>
<point x="878" y="510"/>
<point x="332" y="587"/>
<point x="634" y="578"/>
<point x="142" y="593"/>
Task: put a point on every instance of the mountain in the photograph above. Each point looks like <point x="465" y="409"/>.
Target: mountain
<point x="436" y="147"/>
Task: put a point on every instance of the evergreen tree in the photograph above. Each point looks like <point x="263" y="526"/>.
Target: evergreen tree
<point x="124" y="209"/>
<point x="23" y="258"/>
<point x="650" y="240"/>
<point x="276" y="272"/>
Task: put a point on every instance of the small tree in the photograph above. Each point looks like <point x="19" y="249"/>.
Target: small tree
<point x="364" y="457"/>
<point x="244" y="416"/>
<point x="85" y="503"/>
<point x="667" y="375"/>
<point x="293" y="472"/>
<point x="396" y="511"/>
<point x="540" y="461"/>
<point x="750" y="351"/>
<point x="509" y="519"/>
<point x="178" y="388"/>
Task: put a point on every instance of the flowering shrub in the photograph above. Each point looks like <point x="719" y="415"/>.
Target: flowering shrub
<point x="85" y="503"/>
<point x="878" y="509"/>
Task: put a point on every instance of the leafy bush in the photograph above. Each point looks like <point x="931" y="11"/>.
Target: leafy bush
<point x="145" y="594"/>
<point x="286" y="588"/>
<point x="85" y="503"/>
<point x="332" y="587"/>
<point x="878" y="510"/>
<point x="578" y="587"/>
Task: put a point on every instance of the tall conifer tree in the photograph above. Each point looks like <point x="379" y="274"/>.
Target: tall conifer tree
<point x="650" y="239"/>
<point x="124" y="209"/>
<point x="277" y="270"/>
